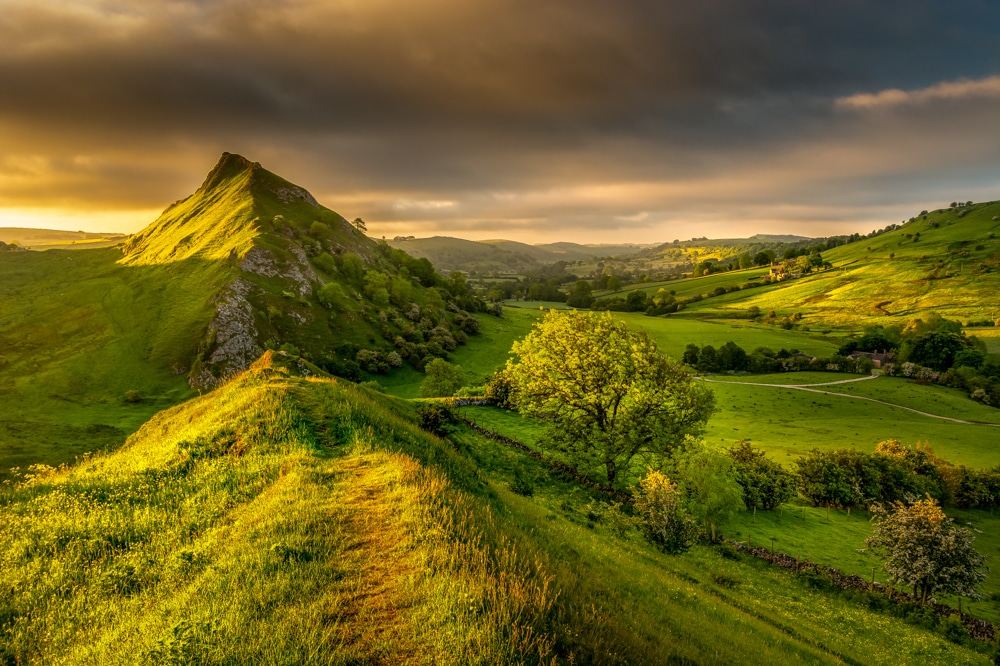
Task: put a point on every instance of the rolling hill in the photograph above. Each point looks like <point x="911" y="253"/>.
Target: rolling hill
<point x="945" y="261"/>
<point x="288" y="519"/>
<point x="502" y="256"/>
<point x="46" y="239"/>
<point x="93" y="342"/>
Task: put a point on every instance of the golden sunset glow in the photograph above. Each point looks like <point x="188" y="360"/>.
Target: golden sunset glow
<point x="501" y="118"/>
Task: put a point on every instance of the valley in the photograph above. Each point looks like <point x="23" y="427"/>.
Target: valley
<point x="229" y="400"/>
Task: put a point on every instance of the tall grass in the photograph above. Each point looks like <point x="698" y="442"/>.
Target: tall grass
<point x="280" y="520"/>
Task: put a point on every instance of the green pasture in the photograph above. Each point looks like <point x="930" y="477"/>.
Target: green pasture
<point x="803" y="378"/>
<point x="322" y="505"/>
<point x="787" y="423"/>
<point x="829" y="537"/>
<point x="933" y="399"/>
<point x="989" y="336"/>
<point x="690" y="286"/>
<point x="483" y="354"/>
<point x="489" y="350"/>
<point x="953" y="269"/>
<point x="672" y="334"/>
<point x="834" y="538"/>
<point x="78" y="330"/>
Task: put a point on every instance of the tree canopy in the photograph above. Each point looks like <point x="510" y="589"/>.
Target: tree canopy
<point x="612" y="398"/>
<point x="442" y="379"/>
<point x="922" y="548"/>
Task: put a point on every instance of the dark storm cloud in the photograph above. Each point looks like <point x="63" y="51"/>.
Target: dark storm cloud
<point x="399" y="107"/>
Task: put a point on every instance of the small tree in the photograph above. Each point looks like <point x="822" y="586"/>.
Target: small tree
<point x="360" y="225"/>
<point x="665" y="522"/>
<point x="435" y="419"/>
<point x="442" y="379"/>
<point x="579" y="296"/>
<point x="922" y="548"/>
<point x="707" y="478"/>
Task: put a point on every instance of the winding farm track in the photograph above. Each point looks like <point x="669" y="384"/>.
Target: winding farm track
<point x="807" y="387"/>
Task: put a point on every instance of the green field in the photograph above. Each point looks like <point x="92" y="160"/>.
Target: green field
<point x="328" y="528"/>
<point x="787" y="423"/>
<point x="951" y="269"/>
<point x="834" y="538"/>
<point x="485" y="352"/>
<point x="78" y="330"/>
<point x="831" y="538"/>
<point x="686" y="288"/>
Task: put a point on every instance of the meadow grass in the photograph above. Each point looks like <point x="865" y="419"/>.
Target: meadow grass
<point x="485" y="352"/>
<point x="491" y="348"/>
<point x="282" y="520"/>
<point x="78" y="330"/>
<point x="953" y="269"/>
<point x="828" y="537"/>
<point x="835" y="537"/>
<point x="788" y="423"/>
<point x="685" y="288"/>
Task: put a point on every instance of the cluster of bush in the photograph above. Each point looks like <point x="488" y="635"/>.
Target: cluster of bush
<point x="420" y="314"/>
<point x="893" y="473"/>
<point x="936" y="350"/>
<point x="731" y="358"/>
<point x="677" y="505"/>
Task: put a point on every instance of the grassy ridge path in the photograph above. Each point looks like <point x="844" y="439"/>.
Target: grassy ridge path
<point x="800" y="387"/>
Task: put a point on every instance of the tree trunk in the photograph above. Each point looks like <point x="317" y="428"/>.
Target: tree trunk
<point x="612" y="471"/>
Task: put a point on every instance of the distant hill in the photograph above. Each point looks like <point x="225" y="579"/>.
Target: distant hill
<point x="782" y="238"/>
<point x="502" y="256"/>
<point x="46" y="239"/>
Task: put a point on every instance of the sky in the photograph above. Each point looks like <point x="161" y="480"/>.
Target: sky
<point x="598" y="121"/>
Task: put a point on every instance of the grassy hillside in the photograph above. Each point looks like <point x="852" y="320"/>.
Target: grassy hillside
<point x="78" y="330"/>
<point x="456" y="254"/>
<point x="46" y="239"/>
<point x="501" y="256"/>
<point x="93" y="342"/>
<point x="947" y="261"/>
<point x="289" y="520"/>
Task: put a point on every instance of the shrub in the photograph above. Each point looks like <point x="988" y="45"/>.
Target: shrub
<point x="372" y="361"/>
<point x="665" y="522"/>
<point x="435" y="419"/>
<point x="132" y="396"/>
<point x="765" y="483"/>
<point x="500" y="389"/>
<point x="326" y="263"/>
<point x="330" y="295"/>
<point x="522" y="485"/>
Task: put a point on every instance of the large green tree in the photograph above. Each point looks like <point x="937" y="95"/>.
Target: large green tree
<point x="921" y="547"/>
<point x="612" y="398"/>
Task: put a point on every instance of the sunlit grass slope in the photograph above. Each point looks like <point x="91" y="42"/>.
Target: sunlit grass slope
<point x="947" y="261"/>
<point x="78" y="330"/>
<point x="273" y="521"/>
<point x="284" y="520"/>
